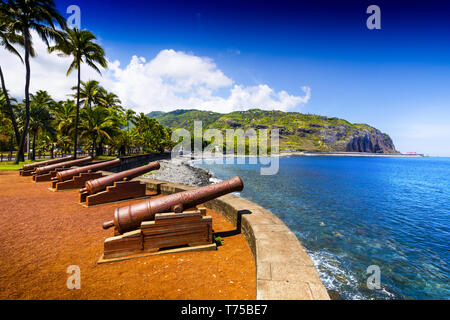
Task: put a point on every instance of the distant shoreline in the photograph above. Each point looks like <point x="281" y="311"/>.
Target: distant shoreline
<point x="314" y="154"/>
<point x="351" y="154"/>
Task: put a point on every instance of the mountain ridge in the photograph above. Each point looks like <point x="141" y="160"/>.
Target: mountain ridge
<point x="298" y="131"/>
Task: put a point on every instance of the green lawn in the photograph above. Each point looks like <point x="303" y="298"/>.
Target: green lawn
<point x="10" y="166"/>
<point x="105" y="157"/>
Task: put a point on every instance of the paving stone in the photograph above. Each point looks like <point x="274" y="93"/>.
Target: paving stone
<point x="282" y="252"/>
<point x="263" y="271"/>
<point x="271" y="228"/>
<point x="318" y="291"/>
<point x="294" y="272"/>
<point x="282" y="290"/>
<point x="256" y="219"/>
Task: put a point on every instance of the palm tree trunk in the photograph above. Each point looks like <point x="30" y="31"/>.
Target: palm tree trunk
<point x="100" y="147"/>
<point x="93" y="146"/>
<point x="78" y="112"/>
<point x="10" y="109"/>
<point x="11" y="147"/>
<point x="33" y="155"/>
<point x="20" y="153"/>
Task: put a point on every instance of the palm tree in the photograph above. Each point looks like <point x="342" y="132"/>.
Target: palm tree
<point x="80" y="44"/>
<point x="130" y="117"/>
<point x="2" y="103"/>
<point x="152" y="135"/>
<point x="111" y="100"/>
<point x="7" y="38"/>
<point x="4" y="108"/>
<point x="64" y="113"/>
<point x="90" y="93"/>
<point x="49" y="141"/>
<point x="140" y="121"/>
<point x="24" y="16"/>
<point x="40" y="117"/>
<point x="117" y="121"/>
<point x="95" y="123"/>
<point x="5" y="124"/>
<point x="124" y="141"/>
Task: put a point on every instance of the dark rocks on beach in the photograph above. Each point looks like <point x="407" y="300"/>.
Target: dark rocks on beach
<point x="180" y="171"/>
<point x="334" y="295"/>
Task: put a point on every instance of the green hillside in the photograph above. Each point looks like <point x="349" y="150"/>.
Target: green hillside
<point x="298" y="131"/>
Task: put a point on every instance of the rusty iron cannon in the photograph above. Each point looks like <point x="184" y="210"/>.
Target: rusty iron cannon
<point x="169" y="232"/>
<point x="172" y="223"/>
<point x="77" y="177"/>
<point x="28" y="169"/>
<point x="130" y="217"/>
<point x="46" y="173"/>
<point x="116" y="187"/>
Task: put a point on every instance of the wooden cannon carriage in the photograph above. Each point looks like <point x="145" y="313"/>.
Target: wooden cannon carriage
<point x="77" y="177"/>
<point x="116" y="187"/>
<point x="170" y="223"/>
<point x="28" y="169"/>
<point x="185" y="231"/>
<point x="46" y="173"/>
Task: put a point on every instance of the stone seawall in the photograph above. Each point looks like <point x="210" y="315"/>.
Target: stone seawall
<point x="131" y="162"/>
<point x="284" y="270"/>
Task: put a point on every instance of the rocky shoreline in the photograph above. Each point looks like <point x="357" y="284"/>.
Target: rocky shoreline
<point x="181" y="171"/>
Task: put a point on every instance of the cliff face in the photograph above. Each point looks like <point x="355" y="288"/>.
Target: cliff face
<point x="373" y="141"/>
<point x="298" y="131"/>
<point x="347" y="138"/>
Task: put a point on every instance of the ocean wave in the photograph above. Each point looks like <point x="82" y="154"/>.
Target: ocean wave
<point x="213" y="178"/>
<point x="338" y="278"/>
<point x="334" y="276"/>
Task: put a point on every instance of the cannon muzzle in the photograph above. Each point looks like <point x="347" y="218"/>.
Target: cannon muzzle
<point x="69" y="174"/>
<point x="96" y="185"/>
<point x="130" y="217"/>
<point x="65" y="164"/>
<point x="33" y="165"/>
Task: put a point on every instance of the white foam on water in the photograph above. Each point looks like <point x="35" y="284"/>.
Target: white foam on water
<point x="327" y="261"/>
<point x="332" y="274"/>
<point x="389" y="294"/>
<point x="214" y="179"/>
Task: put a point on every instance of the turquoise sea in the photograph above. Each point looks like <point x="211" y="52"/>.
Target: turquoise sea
<point x="354" y="212"/>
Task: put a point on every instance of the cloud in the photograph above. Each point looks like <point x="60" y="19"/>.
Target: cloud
<point x="48" y="72"/>
<point x="171" y="80"/>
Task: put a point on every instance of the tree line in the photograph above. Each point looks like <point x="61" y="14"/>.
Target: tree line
<point x="92" y="119"/>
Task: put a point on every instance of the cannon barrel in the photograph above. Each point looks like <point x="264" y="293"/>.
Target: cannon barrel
<point x="96" y="185"/>
<point x="130" y="217"/>
<point x="33" y="165"/>
<point x="47" y="169"/>
<point x="69" y="174"/>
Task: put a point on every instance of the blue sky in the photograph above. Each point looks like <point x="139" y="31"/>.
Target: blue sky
<point x="396" y="79"/>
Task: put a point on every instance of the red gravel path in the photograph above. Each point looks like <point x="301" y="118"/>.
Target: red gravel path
<point x="44" y="232"/>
